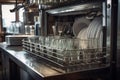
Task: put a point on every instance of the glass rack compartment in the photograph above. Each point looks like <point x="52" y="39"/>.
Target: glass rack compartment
<point x="68" y="54"/>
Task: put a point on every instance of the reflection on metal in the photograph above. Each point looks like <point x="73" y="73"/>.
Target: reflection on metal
<point x="75" y="8"/>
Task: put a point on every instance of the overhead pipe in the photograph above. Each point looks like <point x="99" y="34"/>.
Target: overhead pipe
<point x="17" y="7"/>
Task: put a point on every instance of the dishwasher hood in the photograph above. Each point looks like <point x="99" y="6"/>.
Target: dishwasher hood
<point x="75" y="9"/>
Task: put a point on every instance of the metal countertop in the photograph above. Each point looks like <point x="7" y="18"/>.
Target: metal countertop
<point x="39" y="69"/>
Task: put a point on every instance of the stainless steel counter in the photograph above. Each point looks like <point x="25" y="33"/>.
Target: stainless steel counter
<point x="39" y="69"/>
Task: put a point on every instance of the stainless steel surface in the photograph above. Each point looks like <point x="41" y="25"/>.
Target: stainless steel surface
<point x="108" y="22"/>
<point x="28" y="61"/>
<point x="80" y="8"/>
<point x="15" y="39"/>
<point x="118" y="37"/>
<point x="40" y="70"/>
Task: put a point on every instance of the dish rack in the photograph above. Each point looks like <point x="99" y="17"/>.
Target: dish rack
<point x="63" y="56"/>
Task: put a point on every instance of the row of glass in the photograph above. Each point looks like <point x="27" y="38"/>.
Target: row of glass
<point x="66" y="43"/>
<point x="64" y="56"/>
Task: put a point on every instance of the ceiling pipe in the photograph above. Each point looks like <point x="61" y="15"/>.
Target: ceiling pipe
<point x="17" y="7"/>
<point x="16" y="12"/>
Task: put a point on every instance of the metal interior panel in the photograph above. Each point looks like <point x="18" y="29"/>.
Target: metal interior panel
<point x="118" y="36"/>
<point x="72" y="9"/>
<point x="108" y="22"/>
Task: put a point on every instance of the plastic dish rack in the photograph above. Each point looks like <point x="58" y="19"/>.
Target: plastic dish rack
<point x="67" y="59"/>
